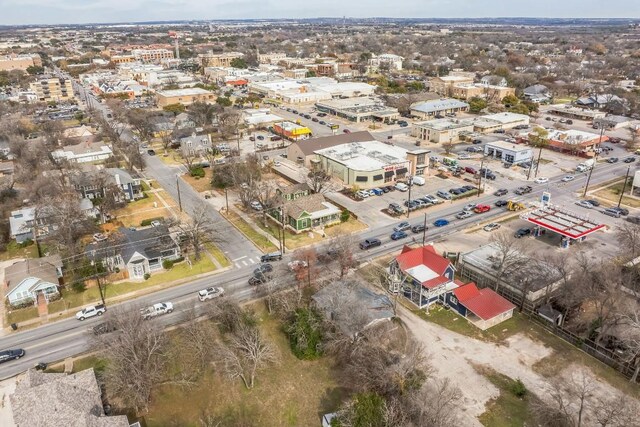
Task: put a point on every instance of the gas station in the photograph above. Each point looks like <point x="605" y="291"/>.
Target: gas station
<point x="571" y="226"/>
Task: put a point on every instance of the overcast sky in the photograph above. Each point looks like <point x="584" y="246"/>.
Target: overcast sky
<point x="85" y="11"/>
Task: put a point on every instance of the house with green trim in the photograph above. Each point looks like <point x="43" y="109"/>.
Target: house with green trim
<point x="294" y="192"/>
<point x="306" y="213"/>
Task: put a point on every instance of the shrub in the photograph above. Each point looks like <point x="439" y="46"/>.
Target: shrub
<point x="78" y="286"/>
<point x="26" y="243"/>
<point x="146" y="276"/>
<point x="197" y="172"/>
<point x="518" y="388"/>
<point x="167" y="264"/>
<point x="345" y="215"/>
<point x="305" y="333"/>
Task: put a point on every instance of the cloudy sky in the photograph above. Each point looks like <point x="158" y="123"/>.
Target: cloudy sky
<point x="84" y="11"/>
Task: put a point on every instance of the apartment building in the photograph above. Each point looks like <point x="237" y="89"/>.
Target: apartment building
<point x="152" y="55"/>
<point x="52" y="89"/>
<point x="19" y="62"/>
<point x="443" y="85"/>
<point x="388" y="60"/>
<point x="492" y="93"/>
<point x="185" y="96"/>
<point x="271" y="58"/>
<point x="211" y="59"/>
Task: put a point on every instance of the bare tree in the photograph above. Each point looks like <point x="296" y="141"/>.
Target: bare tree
<point x="508" y="254"/>
<point x="247" y="353"/>
<point x="634" y="136"/>
<point x="341" y="249"/>
<point x="318" y="181"/>
<point x="136" y="357"/>
<point x="198" y="229"/>
<point x="444" y="398"/>
<point x="631" y="340"/>
<point x="628" y="236"/>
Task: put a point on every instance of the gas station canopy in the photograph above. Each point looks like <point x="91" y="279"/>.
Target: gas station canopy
<point x="562" y="221"/>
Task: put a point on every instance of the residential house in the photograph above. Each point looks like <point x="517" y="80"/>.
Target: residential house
<point x="139" y="251"/>
<point x="493" y="80"/>
<point x="95" y="184"/>
<point x="196" y="145"/>
<point x="26" y="281"/>
<point x="293" y="192"/>
<point x="422" y="275"/>
<point x="83" y="153"/>
<point x="51" y="399"/>
<point x="352" y="306"/>
<point x="22" y="224"/>
<point x="306" y="213"/>
<point x="482" y="307"/>
<point x="537" y="93"/>
<point x="598" y="101"/>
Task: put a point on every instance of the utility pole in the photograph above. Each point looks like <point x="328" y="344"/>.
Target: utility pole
<point x="283" y="229"/>
<point x="410" y="183"/>
<point x="226" y="198"/>
<point x="424" y="232"/>
<point x="480" y="175"/>
<point x="624" y="185"/>
<point x="178" y="187"/>
<point x="595" y="160"/>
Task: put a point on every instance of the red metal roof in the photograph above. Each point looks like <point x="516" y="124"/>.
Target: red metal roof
<point x="465" y="292"/>
<point x="435" y="282"/>
<point x="484" y="303"/>
<point x="425" y="255"/>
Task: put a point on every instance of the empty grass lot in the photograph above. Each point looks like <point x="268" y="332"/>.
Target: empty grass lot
<point x="258" y="239"/>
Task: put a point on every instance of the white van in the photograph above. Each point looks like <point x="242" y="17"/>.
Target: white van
<point x="401" y="186"/>
<point x="418" y="180"/>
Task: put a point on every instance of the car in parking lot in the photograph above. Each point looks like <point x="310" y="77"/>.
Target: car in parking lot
<point x="469" y="169"/>
<point x="402" y="186"/>
<point x="419" y="228"/>
<point x="397" y="235"/>
<point x="541" y="180"/>
<point x="210" y="293"/>
<point x="431" y="199"/>
<point x="443" y="194"/>
<point x="464" y="215"/>
<point x="455" y="191"/>
<point x="476" y="141"/>
<point x="7" y="355"/>
<point x="370" y="243"/>
<point x="362" y="194"/>
<point x="522" y="232"/>
<point x="501" y="203"/>
<point x="491" y="226"/>
<point x="322" y="122"/>
<point x="441" y="222"/>
<point x="404" y="225"/>
<point x="482" y="208"/>
<point x="584" y="204"/>
<point x="376" y="191"/>
<point x="568" y="178"/>
<point x="501" y="192"/>
<point x="395" y="208"/>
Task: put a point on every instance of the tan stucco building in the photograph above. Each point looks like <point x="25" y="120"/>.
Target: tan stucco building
<point x="184" y="96"/>
<point x="53" y="89"/>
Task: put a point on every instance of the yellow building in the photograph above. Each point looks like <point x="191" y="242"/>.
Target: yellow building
<point x="152" y="55"/>
<point x="490" y="92"/>
<point x="185" y="96"/>
<point x="211" y="59"/>
<point x="19" y="62"/>
<point x="53" y="89"/>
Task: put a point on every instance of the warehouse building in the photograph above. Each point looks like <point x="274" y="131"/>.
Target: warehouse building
<point x="309" y="90"/>
<point x="499" y="121"/>
<point x="438" y="107"/>
<point x="184" y="96"/>
<point x="508" y="152"/>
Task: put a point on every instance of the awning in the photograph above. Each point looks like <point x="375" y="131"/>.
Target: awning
<point x="362" y="178"/>
<point x="377" y="177"/>
<point x="388" y="174"/>
<point x="401" y="171"/>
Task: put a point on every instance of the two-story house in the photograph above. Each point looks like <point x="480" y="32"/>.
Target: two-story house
<point x="97" y="184"/>
<point x="25" y="226"/>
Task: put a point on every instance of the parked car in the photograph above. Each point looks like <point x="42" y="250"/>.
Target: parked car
<point x="91" y="311"/>
<point x="594" y="202"/>
<point x="397" y="235"/>
<point x="263" y="268"/>
<point x="156" y="310"/>
<point x="523" y="190"/>
<point x="463" y="215"/>
<point x="612" y="160"/>
<point x="370" y="243"/>
<point x="470" y="170"/>
<point x="501" y="192"/>
<point x="611" y="212"/>
<point x="622" y="211"/>
<point x="568" y="178"/>
<point x="402" y="187"/>
<point x="584" y="204"/>
<point x="443" y="194"/>
<point x="377" y="192"/>
<point x="258" y="280"/>
<point x="151" y="152"/>
<point x="491" y="226"/>
<point x="7" y="355"/>
<point x="541" y="180"/>
<point x="419" y="228"/>
<point x="431" y="199"/>
<point x="273" y="256"/>
<point x="501" y="203"/>
<point x="395" y="208"/>
<point x="404" y="225"/>
<point x="522" y="232"/>
<point x="441" y="222"/>
<point x="99" y="237"/>
<point x="362" y="194"/>
<point x="482" y="209"/>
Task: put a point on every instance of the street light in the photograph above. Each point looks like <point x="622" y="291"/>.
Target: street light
<point x="595" y="160"/>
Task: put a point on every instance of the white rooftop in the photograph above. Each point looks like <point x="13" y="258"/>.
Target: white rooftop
<point x="504" y="145"/>
<point x="191" y="91"/>
<point x="506" y="118"/>
<point x="422" y="273"/>
<point x="365" y="156"/>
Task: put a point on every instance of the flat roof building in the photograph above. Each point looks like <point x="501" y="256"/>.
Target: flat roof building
<point x="504" y="121"/>
<point x="437" y="107"/>
<point x="185" y="96"/>
<point x="566" y="110"/>
<point x="291" y="131"/>
<point x="54" y="89"/>
<point x="308" y="90"/>
<point x="359" y="109"/>
<point x="225" y="59"/>
<point x="442" y="130"/>
<point x="304" y="151"/>
<point x="508" y="152"/>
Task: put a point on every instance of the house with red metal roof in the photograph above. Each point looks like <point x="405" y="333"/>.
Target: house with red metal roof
<point x="423" y="275"/>
<point x="482" y="307"/>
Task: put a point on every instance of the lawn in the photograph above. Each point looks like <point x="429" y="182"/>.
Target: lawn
<point x="258" y="239"/>
<point x="15" y="251"/>
<point x="612" y="194"/>
<point x="507" y="410"/>
<point x="294" y="393"/>
<point x="135" y="212"/>
<point x="17" y="316"/>
<point x="71" y="299"/>
<point x="218" y="255"/>
<point x="200" y="184"/>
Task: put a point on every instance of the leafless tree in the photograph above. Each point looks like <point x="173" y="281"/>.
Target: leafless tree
<point x="202" y="114"/>
<point x="246" y="353"/>
<point x="444" y="398"/>
<point x="631" y="340"/>
<point x="508" y="255"/>
<point x="136" y="357"/>
<point x="634" y="136"/>
<point x="319" y="181"/>
<point x="341" y="249"/>
<point x="229" y="124"/>
<point x="628" y="236"/>
<point x="198" y="229"/>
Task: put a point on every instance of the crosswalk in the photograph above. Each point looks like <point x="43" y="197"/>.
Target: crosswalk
<point x="245" y="261"/>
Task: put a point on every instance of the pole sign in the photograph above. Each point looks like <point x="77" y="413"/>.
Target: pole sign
<point x="546" y="198"/>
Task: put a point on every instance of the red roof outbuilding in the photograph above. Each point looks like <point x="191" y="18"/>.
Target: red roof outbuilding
<point x="484" y="303"/>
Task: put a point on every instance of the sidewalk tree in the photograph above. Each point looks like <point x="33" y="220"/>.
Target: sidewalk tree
<point x="318" y="181"/>
<point x="198" y="229"/>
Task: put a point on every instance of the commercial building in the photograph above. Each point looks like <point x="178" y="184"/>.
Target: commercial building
<point x="83" y="153"/>
<point x="297" y="73"/>
<point x="508" y="152"/>
<point x="388" y="60"/>
<point x="184" y="96"/>
<point x="19" y="62"/>
<point x="291" y="131"/>
<point x="359" y="109"/>
<point x="365" y="164"/>
<point x="271" y="58"/>
<point x="615" y="122"/>
<point x="53" y="89"/>
<point x="261" y="117"/>
<point x="211" y="59"/>
<point x="304" y="152"/>
<point x="443" y="85"/>
<point x="152" y="55"/>
<point x="571" y="112"/>
<point x="438" y="107"/>
<point x="309" y="90"/>
<point x="442" y="130"/>
<point x="574" y="141"/>
<point x="499" y="121"/>
<point x="479" y="90"/>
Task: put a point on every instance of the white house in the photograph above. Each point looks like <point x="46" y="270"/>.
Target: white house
<point x="26" y="281"/>
<point x="394" y="62"/>
<point x="83" y="153"/>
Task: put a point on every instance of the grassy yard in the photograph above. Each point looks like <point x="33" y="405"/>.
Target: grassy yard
<point x="200" y="184"/>
<point x="218" y="255"/>
<point x="135" y="212"/>
<point x="507" y="410"/>
<point x="294" y="393"/>
<point x="71" y="299"/>
<point x="15" y="251"/>
<point x="17" y="316"/>
<point x="611" y="195"/>
<point x="258" y="239"/>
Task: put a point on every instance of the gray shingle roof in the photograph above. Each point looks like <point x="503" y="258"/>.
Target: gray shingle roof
<point x="41" y="268"/>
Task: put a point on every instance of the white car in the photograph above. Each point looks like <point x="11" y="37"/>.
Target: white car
<point x="210" y="293"/>
<point x="277" y="163"/>
<point x="93" y="310"/>
<point x="156" y="310"/>
<point x="469" y="207"/>
<point x="584" y="204"/>
<point x="256" y="205"/>
<point x="568" y="178"/>
<point x="362" y="194"/>
<point x="492" y="226"/>
<point x="541" y="180"/>
<point x="464" y="215"/>
<point x="99" y="237"/>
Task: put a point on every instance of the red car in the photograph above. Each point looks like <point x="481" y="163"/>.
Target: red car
<point x="482" y="208"/>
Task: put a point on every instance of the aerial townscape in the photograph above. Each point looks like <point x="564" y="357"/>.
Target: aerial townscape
<point x="365" y="214"/>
